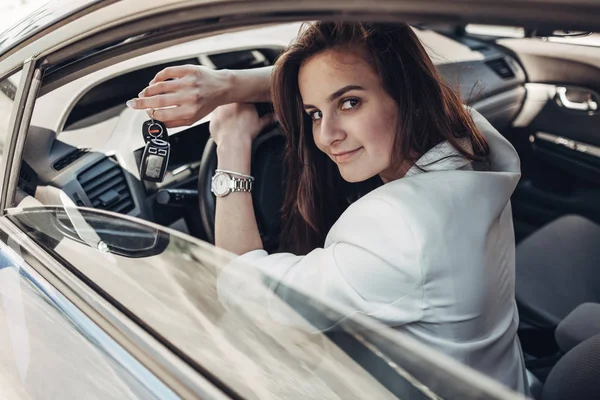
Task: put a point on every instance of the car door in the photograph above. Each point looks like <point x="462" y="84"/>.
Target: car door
<point x="556" y="133"/>
<point x="51" y="350"/>
<point x="49" y="347"/>
<point x="170" y="284"/>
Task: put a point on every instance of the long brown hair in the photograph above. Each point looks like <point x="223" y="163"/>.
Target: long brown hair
<point x="429" y="112"/>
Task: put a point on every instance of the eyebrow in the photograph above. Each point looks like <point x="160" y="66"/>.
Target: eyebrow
<point x="337" y="93"/>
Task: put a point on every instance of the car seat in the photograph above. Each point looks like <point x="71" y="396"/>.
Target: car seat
<point x="557" y="269"/>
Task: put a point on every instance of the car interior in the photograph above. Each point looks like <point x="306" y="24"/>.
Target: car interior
<point x="539" y="89"/>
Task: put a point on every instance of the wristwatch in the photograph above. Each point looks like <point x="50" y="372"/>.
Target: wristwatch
<point x="225" y="182"/>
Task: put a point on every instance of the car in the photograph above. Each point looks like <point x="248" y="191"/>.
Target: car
<point x="108" y="282"/>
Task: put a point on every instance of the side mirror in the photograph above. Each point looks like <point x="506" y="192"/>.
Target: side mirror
<point x="107" y="232"/>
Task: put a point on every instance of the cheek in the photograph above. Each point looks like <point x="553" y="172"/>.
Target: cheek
<point x="379" y="135"/>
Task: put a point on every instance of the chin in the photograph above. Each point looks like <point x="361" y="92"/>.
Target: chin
<point x="355" y="176"/>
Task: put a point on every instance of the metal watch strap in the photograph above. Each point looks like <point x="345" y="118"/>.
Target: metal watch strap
<point x="241" y="184"/>
<point x="234" y="173"/>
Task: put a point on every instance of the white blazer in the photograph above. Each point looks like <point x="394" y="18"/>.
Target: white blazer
<point x="431" y="254"/>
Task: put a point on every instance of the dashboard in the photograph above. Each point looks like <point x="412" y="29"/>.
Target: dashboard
<point x="86" y="143"/>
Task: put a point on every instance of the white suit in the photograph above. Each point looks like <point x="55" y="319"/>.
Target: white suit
<point x="431" y="254"/>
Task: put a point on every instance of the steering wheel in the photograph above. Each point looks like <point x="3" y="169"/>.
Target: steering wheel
<point x="267" y="193"/>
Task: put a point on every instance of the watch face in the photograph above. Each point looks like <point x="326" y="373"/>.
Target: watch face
<point x="221" y="184"/>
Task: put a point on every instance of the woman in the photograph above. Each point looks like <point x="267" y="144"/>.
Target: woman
<point x="428" y="247"/>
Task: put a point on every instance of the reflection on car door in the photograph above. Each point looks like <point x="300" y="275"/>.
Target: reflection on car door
<point x="50" y="350"/>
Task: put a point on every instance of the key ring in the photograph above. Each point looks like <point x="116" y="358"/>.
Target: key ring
<point x="154" y="123"/>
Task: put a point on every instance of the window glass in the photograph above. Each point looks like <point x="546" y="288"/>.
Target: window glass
<point x="254" y="343"/>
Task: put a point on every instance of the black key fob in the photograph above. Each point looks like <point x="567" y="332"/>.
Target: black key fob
<point x="154" y="129"/>
<point x="155" y="160"/>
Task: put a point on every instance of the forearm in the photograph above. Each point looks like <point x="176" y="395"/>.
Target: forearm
<point x="235" y="224"/>
<point x="249" y="85"/>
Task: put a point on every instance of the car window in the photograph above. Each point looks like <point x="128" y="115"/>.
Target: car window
<point x="168" y="281"/>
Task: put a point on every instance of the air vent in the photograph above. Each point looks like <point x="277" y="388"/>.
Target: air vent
<point x="27" y="178"/>
<point x="105" y="185"/>
<point x="501" y="67"/>
<point x="69" y="159"/>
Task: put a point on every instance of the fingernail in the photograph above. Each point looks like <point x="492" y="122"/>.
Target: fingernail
<point x="141" y="94"/>
<point x="131" y="103"/>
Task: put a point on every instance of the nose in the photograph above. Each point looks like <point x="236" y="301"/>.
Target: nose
<point x="330" y="131"/>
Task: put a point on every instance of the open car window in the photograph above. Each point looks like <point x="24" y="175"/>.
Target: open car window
<point x="167" y="282"/>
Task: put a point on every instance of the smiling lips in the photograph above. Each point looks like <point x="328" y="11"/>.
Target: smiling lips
<point x="345" y="156"/>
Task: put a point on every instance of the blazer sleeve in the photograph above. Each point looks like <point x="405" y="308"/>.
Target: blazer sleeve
<point x="370" y="264"/>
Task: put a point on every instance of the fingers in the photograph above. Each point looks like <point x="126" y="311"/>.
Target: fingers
<point x="172" y="117"/>
<point x="160" y="101"/>
<point x="172" y="73"/>
<point x="163" y="88"/>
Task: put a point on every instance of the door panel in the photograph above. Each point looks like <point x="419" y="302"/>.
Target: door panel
<point x="50" y="350"/>
<point x="576" y="125"/>
<point x="557" y="134"/>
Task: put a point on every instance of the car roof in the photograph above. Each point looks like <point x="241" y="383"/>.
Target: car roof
<point x="66" y="21"/>
<point x="45" y="16"/>
<point x="62" y="22"/>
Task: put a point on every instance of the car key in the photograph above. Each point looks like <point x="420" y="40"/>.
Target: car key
<point x="154" y="129"/>
<point x="155" y="160"/>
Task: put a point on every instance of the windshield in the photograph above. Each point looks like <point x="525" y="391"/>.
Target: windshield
<point x="168" y="281"/>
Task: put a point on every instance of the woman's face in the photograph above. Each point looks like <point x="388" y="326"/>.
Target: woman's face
<point x="354" y="119"/>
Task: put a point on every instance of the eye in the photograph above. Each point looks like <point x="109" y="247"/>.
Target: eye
<point x="349" y="104"/>
<point x="315" y="115"/>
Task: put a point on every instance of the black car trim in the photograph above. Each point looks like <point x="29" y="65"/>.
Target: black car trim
<point x="19" y="122"/>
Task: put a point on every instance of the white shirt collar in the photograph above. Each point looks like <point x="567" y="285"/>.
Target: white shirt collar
<point x="441" y="157"/>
